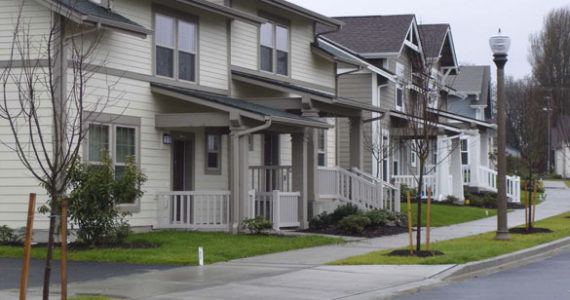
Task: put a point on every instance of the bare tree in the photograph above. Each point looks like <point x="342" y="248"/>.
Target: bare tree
<point x="525" y="101"/>
<point x="43" y="103"/>
<point x="549" y="57"/>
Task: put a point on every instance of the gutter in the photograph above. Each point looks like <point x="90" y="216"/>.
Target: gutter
<point x="266" y="125"/>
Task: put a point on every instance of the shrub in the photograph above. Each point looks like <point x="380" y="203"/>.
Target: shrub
<point x="320" y="221"/>
<point x="10" y="236"/>
<point x="256" y="225"/>
<point x="403" y="193"/>
<point x="400" y="219"/>
<point x="555" y="176"/>
<point x="353" y="223"/>
<point x="451" y="199"/>
<point x="342" y="211"/>
<point x="377" y="217"/>
<point x="95" y="196"/>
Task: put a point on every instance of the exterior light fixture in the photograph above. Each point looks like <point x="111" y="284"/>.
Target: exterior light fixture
<point x="166" y="139"/>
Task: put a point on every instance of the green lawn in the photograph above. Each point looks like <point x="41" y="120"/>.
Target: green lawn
<point x="443" y="215"/>
<point x="472" y="248"/>
<point x="181" y="248"/>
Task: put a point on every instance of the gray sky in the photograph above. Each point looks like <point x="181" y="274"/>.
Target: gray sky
<point x="472" y="22"/>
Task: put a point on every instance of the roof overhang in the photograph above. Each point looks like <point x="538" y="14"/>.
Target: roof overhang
<point x="236" y="106"/>
<point x="410" y="118"/>
<point x="309" y="14"/>
<point x="91" y="20"/>
<point x="255" y="79"/>
<point x="225" y="11"/>
<point x="463" y="119"/>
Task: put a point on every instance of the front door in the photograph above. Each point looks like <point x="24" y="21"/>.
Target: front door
<point x="271" y="158"/>
<point x="182" y="163"/>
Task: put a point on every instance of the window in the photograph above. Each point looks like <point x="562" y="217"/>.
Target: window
<point x="274" y="48"/>
<point x="464" y="151"/>
<point x="213" y="153"/>
<point x="396" y="168"/>
<point x="413" y="159"/>
<point x="251" y="142"/>
<point x="117" y="140"/>
<point x="175" y="51"/>
<point x="399" y="98"/>
<point x="321" y="147"/>
<point x="385" y="154"/>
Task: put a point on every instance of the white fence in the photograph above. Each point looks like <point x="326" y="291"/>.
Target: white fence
<point x="486" y="179"/>
<point x="340" y="184"/>
<point x="194" y="210"/>
<point x="281" y="208"/>
<point x="270" y="178"/>
<point x="411" y="181"/>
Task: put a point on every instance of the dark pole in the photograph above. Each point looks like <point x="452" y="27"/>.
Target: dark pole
<point x="549" y="160"/>
<point x="502" y="232"/>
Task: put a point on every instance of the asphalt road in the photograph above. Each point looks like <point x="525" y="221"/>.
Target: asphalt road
<point x="10" y="271"/>
<point x="546" y="279"/>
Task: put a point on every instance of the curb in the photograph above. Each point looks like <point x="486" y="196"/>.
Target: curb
<point x="473" y="269"/>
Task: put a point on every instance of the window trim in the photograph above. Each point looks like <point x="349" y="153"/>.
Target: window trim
<point x="186" y="18"/>
<point x="322" y="151"/>
<point x="461" y="151"/>
<point x="275" y="21"/>
<point x="207" y="169"/>
<point x="399" y="107"/>
<point x="113" y="121"/>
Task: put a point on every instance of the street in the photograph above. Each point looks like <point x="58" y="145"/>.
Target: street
<point x="545" y="279"/>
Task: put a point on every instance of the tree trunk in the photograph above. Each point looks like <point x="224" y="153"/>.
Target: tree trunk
<point x="529" y="199"/>
<point x="49" y="255"/>
<point x="419" y="216"/>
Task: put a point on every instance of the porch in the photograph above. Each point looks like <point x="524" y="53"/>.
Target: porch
<point x="485" y="179"/>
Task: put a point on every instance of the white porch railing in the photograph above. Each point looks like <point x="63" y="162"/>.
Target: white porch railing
<point x="486" y="179"/>
<point x="340" y="184"/>
<point x="412" y="182"/>
<point x="270" y="178"/>
<point x="194" y="210"/>
<point x="281" y="208"/>
<point x="390" y="194"/>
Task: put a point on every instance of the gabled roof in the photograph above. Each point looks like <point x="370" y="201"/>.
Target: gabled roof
<point x="472" y="80"/>
<point x="438" y="44"/>
<point x="220" y="101"/>
<point x="87" y="12"/>
<point x="374" y="34"/>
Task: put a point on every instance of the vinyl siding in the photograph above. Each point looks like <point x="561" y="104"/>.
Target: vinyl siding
<point x="244" y="38"/>
<point x="36" y="19"/>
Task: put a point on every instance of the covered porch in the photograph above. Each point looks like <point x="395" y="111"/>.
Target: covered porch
<point x="218" y="133"/>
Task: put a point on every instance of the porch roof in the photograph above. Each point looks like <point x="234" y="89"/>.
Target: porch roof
<point x="232" y="105"/>
<point x="320" y="96"/>
<point x="90" y="13"/>
<point x="463" y="119"/>
<point x="407" y="117"/>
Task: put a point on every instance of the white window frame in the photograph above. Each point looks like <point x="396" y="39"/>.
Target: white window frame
<point x="112" y="152"/>
<point x="322" y="151"/>
<point x="275" y="23"/>
<point x="413" y="158"/>
<point x="466" y="151"/>
<point x="401" y="106"/>
<point x="217" y="170"/>
<point x="175" y="59"/>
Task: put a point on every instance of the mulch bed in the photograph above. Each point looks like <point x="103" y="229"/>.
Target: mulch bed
<point x="522" y="230"/>
<point x="369" y="233"/>
<point x="422" y="253"/>
<point x="12" y="244"/>
<point x="81" y="246"/>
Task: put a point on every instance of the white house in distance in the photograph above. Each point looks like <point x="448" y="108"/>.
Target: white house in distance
<point x="233" y="109"/>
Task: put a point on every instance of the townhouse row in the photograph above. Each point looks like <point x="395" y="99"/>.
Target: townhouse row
<point x="257" y="107"/>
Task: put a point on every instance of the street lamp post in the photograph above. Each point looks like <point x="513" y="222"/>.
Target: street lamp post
<point x="548" y="110"/>
<point x="500" y="46"/>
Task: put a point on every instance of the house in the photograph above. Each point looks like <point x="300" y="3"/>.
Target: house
<point x="560" y="149"/>
<point x="470" y="102"/>
<point x="227" y="106"/>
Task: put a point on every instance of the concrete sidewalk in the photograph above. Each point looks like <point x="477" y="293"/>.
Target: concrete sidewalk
<point x="300" y="274"/>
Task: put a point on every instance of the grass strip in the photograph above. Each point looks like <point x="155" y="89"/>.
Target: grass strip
<point x="181" y="248"/>
<point x="444" y="215"/>
<point x="471" y="248"/>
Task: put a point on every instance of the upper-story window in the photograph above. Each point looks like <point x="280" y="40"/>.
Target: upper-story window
<point x="274" y="48"/>
<point x="399" y="99"/>
<point x="175" y="47"/>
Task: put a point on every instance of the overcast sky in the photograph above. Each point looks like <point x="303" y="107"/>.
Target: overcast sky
<point x="472" y="22"/>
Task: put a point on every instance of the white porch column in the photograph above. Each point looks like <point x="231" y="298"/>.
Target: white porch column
<point x="484" y="137"/>
<point x="475" y="157"/>
<point x="239" y="168"/>
<point x="443" y="167"/>
<point x="356" y="138"/>
<point x="455" y="170"/>
<point x="312" y="163"/>
<point x="300" y="174"/>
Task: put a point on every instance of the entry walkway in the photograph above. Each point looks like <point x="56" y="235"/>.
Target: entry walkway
<point x="300" y="274"/>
